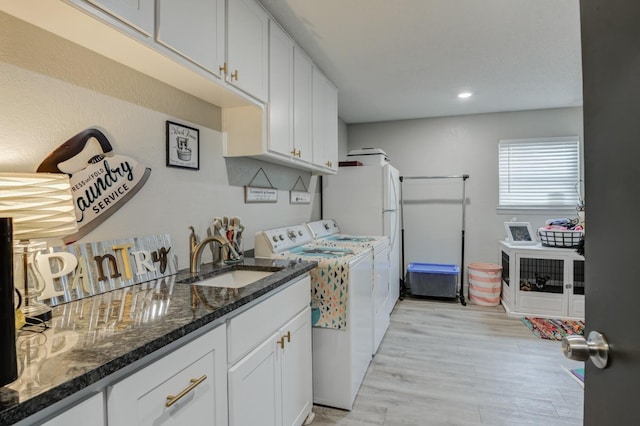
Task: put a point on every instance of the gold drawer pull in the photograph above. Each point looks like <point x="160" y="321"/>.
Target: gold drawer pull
<point x="234" y="75"/>
<point x="171" y="399"/>
<point x="223" y="69"/>
<point x="288" y="336"/>
<point x="281" y="342"/>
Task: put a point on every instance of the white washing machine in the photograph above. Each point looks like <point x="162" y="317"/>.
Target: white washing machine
<point x="327" y="232"/>
<point x="341" y="310"/>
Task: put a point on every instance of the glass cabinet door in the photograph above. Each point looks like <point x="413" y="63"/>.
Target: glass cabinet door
<point x="578" y="277"/>
<point x="541" y="275"/>
<point x="505" y="268"/>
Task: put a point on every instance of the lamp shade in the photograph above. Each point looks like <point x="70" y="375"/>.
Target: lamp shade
<point x="41" y="204"/>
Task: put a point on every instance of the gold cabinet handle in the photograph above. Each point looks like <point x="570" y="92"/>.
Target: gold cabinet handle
<point x="288" y="336"/>
<point x="328" y="164"/>
<point x="299" y="153"/>
<point x="293" y="152"/>
<point x="234" y="75"/>
<point x="172" y="399"/>
<point x="223" y="69"/>
<point x="281" y="342"/>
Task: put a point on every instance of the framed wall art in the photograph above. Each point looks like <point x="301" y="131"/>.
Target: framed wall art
<point x="183" y="146"/>
<point x="520" y="233"/>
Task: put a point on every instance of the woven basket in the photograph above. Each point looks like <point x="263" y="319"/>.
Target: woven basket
<point x="562" y="239"/>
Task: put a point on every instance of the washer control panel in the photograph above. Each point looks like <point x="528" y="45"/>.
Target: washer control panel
<point x="277" y="240"/>
<point x="323" y="228"/>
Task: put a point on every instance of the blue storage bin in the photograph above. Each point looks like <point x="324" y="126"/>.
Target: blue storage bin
<point x="433" y="279"/>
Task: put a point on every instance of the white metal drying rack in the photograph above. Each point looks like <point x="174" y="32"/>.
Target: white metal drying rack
<point x="464" y="196"/>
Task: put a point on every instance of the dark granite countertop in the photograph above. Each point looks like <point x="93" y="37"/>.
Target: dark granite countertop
<point x="93" y="338"/>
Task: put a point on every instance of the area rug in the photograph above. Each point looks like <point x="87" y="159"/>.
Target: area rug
<point x="577" y="374"/>
<point x="553" y="329"/>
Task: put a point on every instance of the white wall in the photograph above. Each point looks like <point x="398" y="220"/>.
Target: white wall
<point x="455" y="146"/>
<point x="47" y="97"/>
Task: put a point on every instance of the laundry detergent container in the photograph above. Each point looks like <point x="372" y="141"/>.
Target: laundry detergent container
<point x="485" y="280"/>
<point x="433" y="279"/>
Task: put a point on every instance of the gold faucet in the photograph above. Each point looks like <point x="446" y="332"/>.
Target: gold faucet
<point x="196" y="248"/>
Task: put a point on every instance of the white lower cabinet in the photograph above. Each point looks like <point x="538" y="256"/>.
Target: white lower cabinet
<point x="91" y="408"/>
<point x="253" y="369"/>
<point x="186" y="387"/>
<point x="272" y="383"/>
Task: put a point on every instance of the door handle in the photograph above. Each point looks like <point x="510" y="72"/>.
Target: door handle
<point x="172" y="399"/>
<point x="595" y="348"/>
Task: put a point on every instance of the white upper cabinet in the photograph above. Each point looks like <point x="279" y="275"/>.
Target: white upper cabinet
<point x="194" y="30"/>
<point x="289" y="117"/>
<point x="248" y="47"/>
<point x="280" y="92"/>
<point x="302" y="105"/>
<point x="136" y="13"/>
<point x="289" y="98"/>
<point x="325" y="122"/>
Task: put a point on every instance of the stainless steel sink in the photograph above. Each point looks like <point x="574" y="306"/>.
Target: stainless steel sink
<point x="237" y="278"/>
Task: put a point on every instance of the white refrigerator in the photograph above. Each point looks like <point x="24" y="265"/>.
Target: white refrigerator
<point x="365" y="200"/>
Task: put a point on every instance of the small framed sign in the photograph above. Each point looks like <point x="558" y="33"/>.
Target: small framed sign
<point x="299" y="197"/>
<point x="520" y="233"/>
<point x="183" y="146"/>
<point x="254" y="194"/>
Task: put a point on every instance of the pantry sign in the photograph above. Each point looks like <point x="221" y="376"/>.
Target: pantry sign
<point x="77" y="271"/>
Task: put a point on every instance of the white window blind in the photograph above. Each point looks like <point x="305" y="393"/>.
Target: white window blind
<point x="539" y="173"/>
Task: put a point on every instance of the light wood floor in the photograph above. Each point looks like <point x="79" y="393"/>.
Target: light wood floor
<point x="442" y="363"/>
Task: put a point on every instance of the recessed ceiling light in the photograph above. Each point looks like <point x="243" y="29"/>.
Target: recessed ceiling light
<point x="464" y="95"/>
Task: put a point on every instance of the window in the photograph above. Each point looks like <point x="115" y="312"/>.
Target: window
<point x="539" y="173"/>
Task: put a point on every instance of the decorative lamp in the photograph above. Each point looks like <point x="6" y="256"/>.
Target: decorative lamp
<point x="41" y="205"/>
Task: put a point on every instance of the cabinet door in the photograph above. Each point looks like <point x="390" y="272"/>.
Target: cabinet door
<point x="325" y="122"/>
<point x="331" y="136"/>
<point x="92" y="408"/>
<point x="255" y="387"/>
<point x="302" y="105"/>
<point x="247" y="47"/>
<point x="280" y="92"/>
<point x="297" y="398"/>
<point x="541" y="286"/>
<point x="195" y="30"/>
<point x="576" y="290"/>
<point x="138" y="14"/>
<point x="507" y="288"/>
<point x="380" y="296"/>
<point x="197" y="370"/>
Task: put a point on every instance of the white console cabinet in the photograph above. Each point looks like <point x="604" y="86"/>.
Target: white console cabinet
<point x="542" y="281"/>
<point x="270" y="361"/>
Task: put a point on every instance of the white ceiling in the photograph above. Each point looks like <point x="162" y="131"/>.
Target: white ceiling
<point x="400" y="59"/>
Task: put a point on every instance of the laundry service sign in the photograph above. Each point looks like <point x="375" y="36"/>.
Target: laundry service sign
<point x="101" y="180"/>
